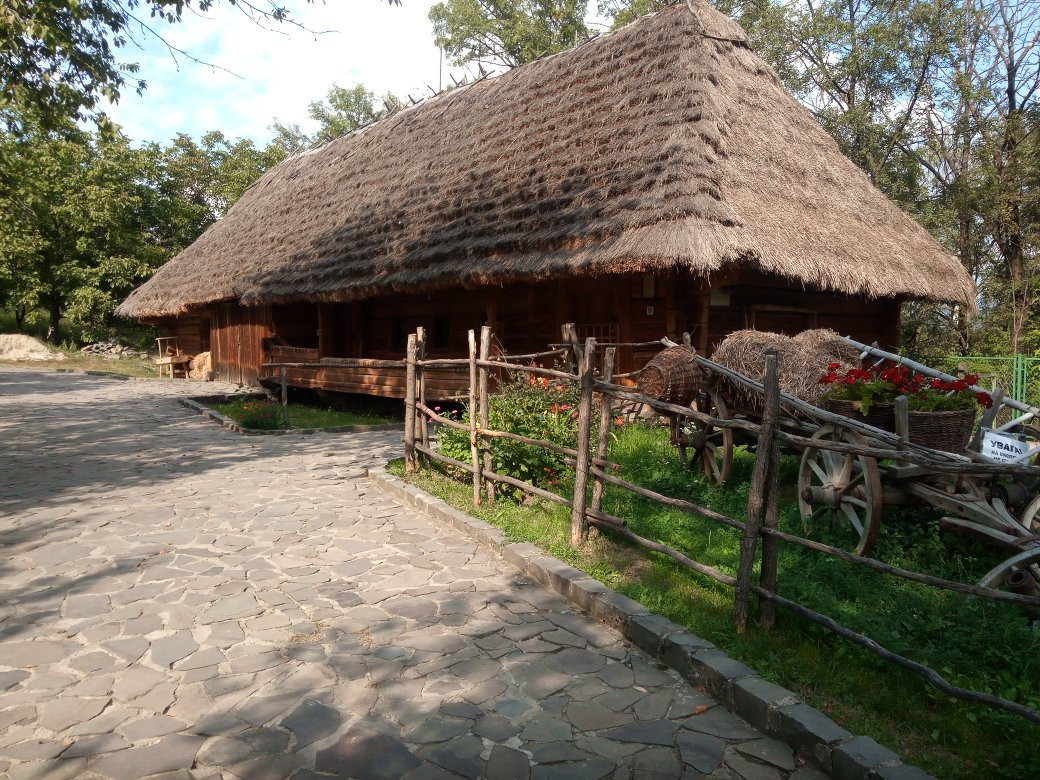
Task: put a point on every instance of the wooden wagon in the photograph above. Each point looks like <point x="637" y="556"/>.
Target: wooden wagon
<point x="850" y="470"/>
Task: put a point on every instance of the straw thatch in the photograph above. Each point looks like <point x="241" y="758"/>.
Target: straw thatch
<point x="666" y="144"/>
<point x="800" y="362"/>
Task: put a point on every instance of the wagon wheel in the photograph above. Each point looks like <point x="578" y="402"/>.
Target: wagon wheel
<point x="705" y="443"/>
<point x="1018" y="568"/>
<point x="845" y="486"/>
<point x="1030" y="517"/>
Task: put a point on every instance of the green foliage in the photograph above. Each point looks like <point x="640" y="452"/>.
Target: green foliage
<point x="75" y="227"/>
<point x="507" y="33"/>
<point x="257" y="414"/>
<point x="342" y="111"/>
<point x="252" y="413"/>
<point x="530" y="406"/>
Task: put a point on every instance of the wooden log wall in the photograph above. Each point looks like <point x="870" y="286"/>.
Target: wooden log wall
<point x="527" y="317"/>
<point x="192" y="331"/>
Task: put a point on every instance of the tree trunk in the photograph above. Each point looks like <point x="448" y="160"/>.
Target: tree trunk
<point x="19" y="316"/>
<point x="52" y="323"/>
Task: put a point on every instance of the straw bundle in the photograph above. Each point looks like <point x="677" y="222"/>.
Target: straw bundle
<point x="825" y="346"/>
<point x="800" y="362"/>
<point x="201" y="367"/>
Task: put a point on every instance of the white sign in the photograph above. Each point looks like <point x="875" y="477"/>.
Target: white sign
<point x="1001" y="447"/>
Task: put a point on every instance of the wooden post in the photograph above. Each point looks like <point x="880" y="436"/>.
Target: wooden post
<point x="902" y="412"/>
<point x="570" y="338"/>
<point x="420" y="381"/>
<point x="285" y="397"/>
<point x="687" y="340"/>
<point x="579" y="523"/>
<point x="474" y="450"/>
<point x="410" y="463"/>
<point x="764" y="466"/>
<point x="770" y="544"/>
<point x="484" y="403"/>
<point x="605" y="421"/>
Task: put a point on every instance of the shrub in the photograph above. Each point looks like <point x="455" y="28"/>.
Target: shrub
<point x="530" y="406"/>
<point x="262" y="415"/>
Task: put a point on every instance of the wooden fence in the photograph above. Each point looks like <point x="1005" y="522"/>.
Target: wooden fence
<point x="760" y="537"/>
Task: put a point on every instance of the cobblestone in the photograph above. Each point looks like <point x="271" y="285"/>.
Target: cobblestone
<point x="208" y="604"/>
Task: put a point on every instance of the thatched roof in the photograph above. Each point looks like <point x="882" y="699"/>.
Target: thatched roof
<point x="665" y="144"/>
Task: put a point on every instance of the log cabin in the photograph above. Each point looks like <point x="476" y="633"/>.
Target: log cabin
<point x="654" y="180"/>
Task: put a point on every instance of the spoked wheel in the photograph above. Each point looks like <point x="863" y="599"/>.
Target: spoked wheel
<point x="844" y="486"/>
<point x="705" y="445"/>
<point x="1030" y="517"/>
<point x="1019" y="573"/>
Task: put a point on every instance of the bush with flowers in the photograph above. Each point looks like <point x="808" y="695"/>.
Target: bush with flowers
<point x="531" y="406"/>
<point x="881" y="384"/>
<point x="257" y="414"/>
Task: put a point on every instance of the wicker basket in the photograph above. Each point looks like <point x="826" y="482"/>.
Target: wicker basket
<point x="671" y="376"/>
<point x="881" y="416"/>
<point x="947" y="431"/>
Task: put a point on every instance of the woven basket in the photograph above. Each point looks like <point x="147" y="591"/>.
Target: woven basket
<point x="671" y="376"/>
<point x="881" y="416"/>
<point x="947" y="431"/>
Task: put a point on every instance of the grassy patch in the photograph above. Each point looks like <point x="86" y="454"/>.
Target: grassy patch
<point x="973" y="644"/>
<point x="302" y="415"/>
<point x="76" y="361"/>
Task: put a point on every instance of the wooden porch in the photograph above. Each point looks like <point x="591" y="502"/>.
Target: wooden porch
<point x="304" y="368"/>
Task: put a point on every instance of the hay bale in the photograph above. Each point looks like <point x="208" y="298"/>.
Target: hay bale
<point x="801" y="361"/>
<point x="201" y="367"/>
<point x="825" y="346"/>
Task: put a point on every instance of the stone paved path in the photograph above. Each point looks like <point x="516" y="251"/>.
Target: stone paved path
<point x="177" y="599"/>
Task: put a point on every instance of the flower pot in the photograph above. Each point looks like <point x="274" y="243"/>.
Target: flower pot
<point x="880" y="415"/>
<point x="946" y="431"/>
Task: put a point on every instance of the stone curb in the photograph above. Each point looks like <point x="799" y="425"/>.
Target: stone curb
<point x="197" y="404"/>
<point x="773" y="710"/>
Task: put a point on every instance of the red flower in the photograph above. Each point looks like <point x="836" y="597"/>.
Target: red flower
<point x="619" y="421"/>
<point x="984" y="400"/>
<point x="833" y="366"/>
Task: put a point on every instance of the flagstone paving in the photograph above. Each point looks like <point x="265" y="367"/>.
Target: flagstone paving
<point x="181" y="601"/>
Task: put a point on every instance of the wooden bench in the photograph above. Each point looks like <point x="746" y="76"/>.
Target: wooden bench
<point x="170" y="357"/>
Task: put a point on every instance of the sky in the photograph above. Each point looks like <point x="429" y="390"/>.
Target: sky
<point x="275" y="73"/>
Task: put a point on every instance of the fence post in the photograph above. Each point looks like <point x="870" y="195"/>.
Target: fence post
<point x="570" y="338"/>
<point x="420" y="392"/>
<point x="605" y="420"/>
<point x="285" y="398"/>
<point x="474" y="450"/>
<point x="764" y="472"/>
<point x="484" y="403"/>
<point x="770" y="545"/>
<point x="409" y="406"/>
<point x="580" y="523"/>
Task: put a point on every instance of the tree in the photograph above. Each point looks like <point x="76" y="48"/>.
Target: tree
<point x="58" y="58"/>
<point x="342" y="111"/>
<point x="72" y="235"/>
<point x="346" y="109"/>
<point x="507" y="33"/>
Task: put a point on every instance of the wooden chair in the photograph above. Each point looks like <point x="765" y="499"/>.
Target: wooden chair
<point x="170" y="357"/>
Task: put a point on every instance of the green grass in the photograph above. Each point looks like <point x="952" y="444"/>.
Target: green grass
<point x="308" y="416"/>
<point x="972" y="643"/>
<point x="75" y="361"/>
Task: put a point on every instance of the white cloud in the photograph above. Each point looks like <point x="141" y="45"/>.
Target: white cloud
<point x="277" y="73"/>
